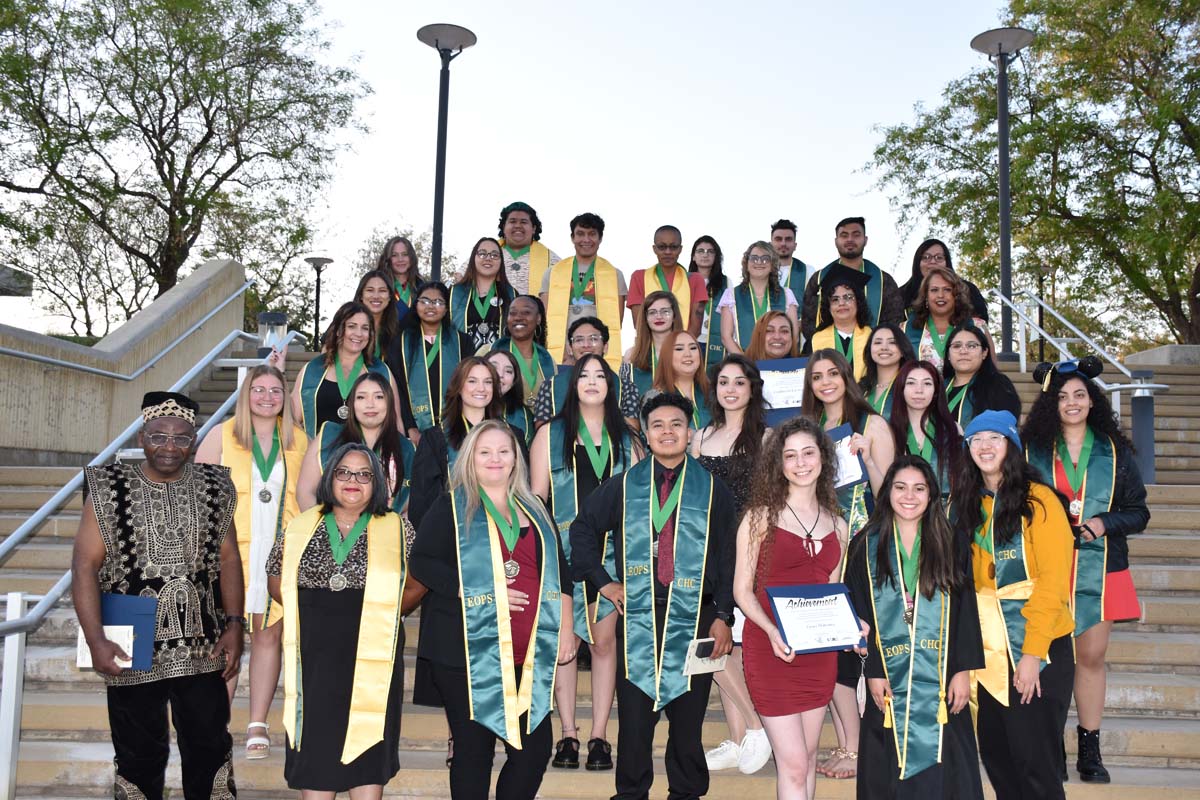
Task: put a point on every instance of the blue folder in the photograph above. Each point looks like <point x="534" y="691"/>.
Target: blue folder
<point x="776" y="416"/>
<point x="811" y="591"/>
<point x="131" y="609"/>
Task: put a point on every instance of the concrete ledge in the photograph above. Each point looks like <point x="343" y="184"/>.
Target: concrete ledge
<point x="1167" y="355"/>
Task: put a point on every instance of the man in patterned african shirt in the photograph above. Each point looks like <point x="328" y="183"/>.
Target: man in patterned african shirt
<point x="164" y="530"/>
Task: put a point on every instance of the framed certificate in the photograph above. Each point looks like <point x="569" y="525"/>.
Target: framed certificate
<point x="783" y="387"/>
<point x="815" y="617"/>
<point x="850" y="468"/>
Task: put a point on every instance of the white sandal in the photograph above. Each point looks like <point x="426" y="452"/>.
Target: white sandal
<point x="257" y="747"/>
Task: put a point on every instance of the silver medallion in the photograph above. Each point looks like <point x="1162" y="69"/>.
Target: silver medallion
<point x="1076" y="507"/>
<point x="654" y="548"/>
<point x="908" y="616"/>
<point x="343" y="412"/>
<point x="511" y="568"/>
<point x="265" y="495"/>
<point x="495" y="300"/>
<point x="337" y="582"/>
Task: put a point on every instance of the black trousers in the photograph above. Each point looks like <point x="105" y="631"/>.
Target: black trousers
<point x="1021" y="745"/>
<point x="137" y="717"/>
<point x="687" y="771"/>
<point x="475" y="747"/>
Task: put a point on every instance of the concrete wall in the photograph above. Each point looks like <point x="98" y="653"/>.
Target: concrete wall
<point x="49" y="408"/>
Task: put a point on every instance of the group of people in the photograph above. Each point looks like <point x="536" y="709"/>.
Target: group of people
<point x="493" y="458"/>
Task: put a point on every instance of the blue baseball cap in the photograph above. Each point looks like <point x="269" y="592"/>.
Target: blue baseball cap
<point x="1002" y="422"/>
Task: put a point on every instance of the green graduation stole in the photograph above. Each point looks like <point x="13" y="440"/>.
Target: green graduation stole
<point x="523" y="419"/>
<point x="545" y="362"/>
<point x="660" y="675"/>
<point x="420" y="392"/>
<point x="714" y="350"/>
<point x="327" y="441"/>
<point x="873" y="291"/>
<point x="882" y="405"/>
<point x="960" y="404"/>
<point x="797" y="277"/>
<point x="562" y="381"/>
<point x="496" y="700"/>
<point x="463" y="297"/>
<point x="643" y="379"/>
<point x="1091" y="558"/>
<point x="914" y="662"/>
<point x="747" y="315"/>
<point x="310" y="382"/>
<point x="564" y="497"/>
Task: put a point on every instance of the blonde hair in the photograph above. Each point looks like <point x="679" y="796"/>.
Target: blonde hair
<point x="464" y="476"/>
<point x="243" y="426"/>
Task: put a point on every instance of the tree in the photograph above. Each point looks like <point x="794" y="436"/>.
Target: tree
<point x="368" y="254"/>
<point x="1105" y="167"/>
<point x="165" y="112"/>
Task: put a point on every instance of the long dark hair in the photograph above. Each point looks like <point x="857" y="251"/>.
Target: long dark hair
<point x="854" y="404"/>
<point x="503" y="287"/>
<point x="1013" y="504"/>
<point x="336" y="329"/>
<point x="384" y="264"/>
<point x="862" y="312"/>
<point x="452" y="413"/>
<point x="870" y="378"/>
<point x="769" y="489"/>
<point x="413" y="321"/>
<point x="749" y="441"/>
<point x="514" y="398"/>
<point x="774" y="287"/>
<point x="943" y="561"/>
<point x="962" y="298"/>
<point x="908" y="292"/>
<point x="1043" y="426"/>
<point x="614" y="423"/>
<point x="947" y="441"/>
<point x="388" y="444"/>
<point x="988" y="381"/>
<point x="717" y="279"/>
<point x="389" y="318"/>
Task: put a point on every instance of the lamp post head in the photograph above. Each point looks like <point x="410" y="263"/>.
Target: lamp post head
<point x="1002" y="41"/>
<point x="446" y="38"/>
<point x="318" y="262"/>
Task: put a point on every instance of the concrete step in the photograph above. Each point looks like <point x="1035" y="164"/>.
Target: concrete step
<point x="41" y="554"/>
<point x="30" y="498"/>
<point x="61" y="524"/>
<point x="30" y="581"/>
<point x="1166" y="578"/>
<point x="1158" y="494"/>
<point x="36" y="476"/>
<point x="1163" y="695"/>
<point x="1163" y="547"/>
<point x="1180" y="477"/>
<point x="1158" y="651"/>
<point x="1170" y="610"/>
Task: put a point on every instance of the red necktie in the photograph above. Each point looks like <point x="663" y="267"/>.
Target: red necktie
<point x="666" y="537"/>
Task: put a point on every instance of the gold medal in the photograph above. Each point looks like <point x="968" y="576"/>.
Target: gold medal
<point x="337" y="582"/>
<point x="343" y="412"/>
<point x="511" y="568"/>
<point x="265" y="495"/>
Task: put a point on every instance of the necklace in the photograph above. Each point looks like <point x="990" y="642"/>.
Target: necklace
<point x="808" y="530"/>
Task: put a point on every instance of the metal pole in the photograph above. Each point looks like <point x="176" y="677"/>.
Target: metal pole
<point x="439" y="181"/>
<point x="316" y="346"/>
<point x="1141" y="412"/>
<point x="1041" y="316"/>
<point x="11" y="699"/>
<point x="1006" y="348"/>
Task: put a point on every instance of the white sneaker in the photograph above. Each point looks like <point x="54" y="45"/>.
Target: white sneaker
<point x="755" y="751"/>
<point x="726" y="755"/>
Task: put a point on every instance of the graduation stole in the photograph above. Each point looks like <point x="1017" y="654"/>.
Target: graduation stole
<point x="558" y="300"/>
<point x="327" y="441"/>
<point x="826" y="339"/>
<point x="413" y="351"/>
<point x="643" y="379"/>
<point x="523" y="419"/>
<point x="746" y="317"/>
<point x="241" y="465"/>
<point x="799" y="270"/>
<point x="680" y="287"/>
<point x="714" y="350"/>
<point x="564" y="497"/>
<point x="960" y="404"/>
<point x="542" y="359"/>
<point x="539" y="262"/>
<point x="882" y="405"/>
<point x="310" y="379"/>
<point x="375" y="655"/>
<point x="1000" y="606"/>
<point x="914" y="661"/>
<point x="873" y="290"/>
<point x="701" y="416"/>
<point x="497" y="702"/>
<point x="660" y="676"/>
<point x="463" y="296"/>
<point x="1096" y="494"/>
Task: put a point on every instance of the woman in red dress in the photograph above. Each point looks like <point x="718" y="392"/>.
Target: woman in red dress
<point x="792" y="533"/>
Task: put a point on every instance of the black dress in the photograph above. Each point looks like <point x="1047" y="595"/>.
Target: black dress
<point x="736" y="472"/>
<point x="957" y="776"/>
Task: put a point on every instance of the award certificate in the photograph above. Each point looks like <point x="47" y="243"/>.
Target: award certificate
<point x="783" y="387"/>
<point x="850" y="468"/>
<point x="815" y="618"/>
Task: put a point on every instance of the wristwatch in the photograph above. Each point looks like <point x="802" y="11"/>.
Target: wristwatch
<point x="726" y="617"/>
<point x="229" y="618"/>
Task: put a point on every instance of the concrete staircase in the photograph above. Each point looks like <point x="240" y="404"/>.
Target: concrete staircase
<point x="1151" y="735"/>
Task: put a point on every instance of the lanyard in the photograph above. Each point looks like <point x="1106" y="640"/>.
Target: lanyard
<point x="924" y="451"/>
<point x="403" y="292"/>
<point x="909" y="562"/>
<point x="482" y="304"/>
<point x="1076" y="472"/>
<point x="266" y="463"/>
<point x="431" y="353"/>
<point x="579" y="283"/>
<point x="660" y="514"/>
<point x="508" y="529"/>
<point x="343" y="382"/>
<point x="341" y="547"/>
<point x="528" y="367"/>
<point x="600" y="455"/>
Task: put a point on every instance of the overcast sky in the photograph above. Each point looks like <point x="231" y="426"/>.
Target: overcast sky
<point x="715" y="117"/>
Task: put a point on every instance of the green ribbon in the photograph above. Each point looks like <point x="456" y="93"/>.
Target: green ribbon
<point x="843" y="345"/>
<point x="339" y="547"/>
<point x="510" y="528"/>
<point x="1077" y="472"/>
<point x="601" y="455"/>
<point x="939" y="342"/>
<point x="343" y="382"/>
<point x="659" y="514"/>
<point x="516" y="254"/>
<point x="760" y="309"/>
<point x="882" y="403"/>
<point x="403" y="292"/>
<point x="579" y="283"/>
<point x="909" y="561"/>
<point x="662" y="278"/>
<point x="924" y="451"/>
<point x="913" y="660"/>
<point x="956" y="400"/>
<point x="431" y="353"/>
<point x="528" y="367"/>
<point x="659" y="673"/>
<point x="484" y="304"/>
<point x="265" y="463"/>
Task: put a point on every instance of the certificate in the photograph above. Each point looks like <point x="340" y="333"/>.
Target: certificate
<point x="850" y="468"/>
<point x="783" y="387"/>
<point x="815" y="618"/>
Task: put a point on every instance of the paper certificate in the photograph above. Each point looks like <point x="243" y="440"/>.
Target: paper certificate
<point x="783" y="387"/>
<point x="815" y="618"/>
<point x="850" y="468"/>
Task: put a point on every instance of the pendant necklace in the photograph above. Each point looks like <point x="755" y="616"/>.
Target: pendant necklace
<point x="808" y="531"/>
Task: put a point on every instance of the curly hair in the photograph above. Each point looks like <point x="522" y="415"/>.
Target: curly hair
<point x="769" y="490"/>
<point x="774" y="288"/>
<point x="962" y="298"/>
<point x="1043" y="426"/>
<point x="862" y="312"/>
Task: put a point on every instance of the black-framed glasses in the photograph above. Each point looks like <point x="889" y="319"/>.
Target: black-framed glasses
<point x="668" y="248"/>
<point x="344" y="475"/>
<point x="933" y="258"/>
<point x="484" y="255"/>
<point x="181" y="440"/>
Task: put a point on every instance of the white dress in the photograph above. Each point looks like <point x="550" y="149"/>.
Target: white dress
<point x="264" y="529"/>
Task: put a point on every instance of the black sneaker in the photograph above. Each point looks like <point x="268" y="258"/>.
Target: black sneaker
<point x="566" y="754"/>
<point x="599" y="755"/>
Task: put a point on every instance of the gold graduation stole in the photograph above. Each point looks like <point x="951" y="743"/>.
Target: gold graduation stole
<point x="608" y="299"/>
<point x="375" y="655"/>
<point x="680" y="287"/>
<point x="539" y="262"/>
<point x="824" y="340"/>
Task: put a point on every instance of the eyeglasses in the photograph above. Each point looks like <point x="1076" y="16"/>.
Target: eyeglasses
<point x="259" y="391"/>
<point x="981" y="439"/>
<point x="841" y="298"/>
<point x="434" y="302"/>
<point x="345" y="476"/>
<point x="668" y="248"/>
<point x="933" y="258"/>
<point x="488" y="256"/>
<point x="594" y="338"/>
<point x="960" y="347"/>
<point x="660" y="312"/>
<point x="705" y="251"/>
<point x="759" y="259"/>
<point x="182" y="441"/>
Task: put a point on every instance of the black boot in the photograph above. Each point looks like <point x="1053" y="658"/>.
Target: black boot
<point x="1090" y="766"/>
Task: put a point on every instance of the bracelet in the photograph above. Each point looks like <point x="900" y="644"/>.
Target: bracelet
<point x="231" y="618"/>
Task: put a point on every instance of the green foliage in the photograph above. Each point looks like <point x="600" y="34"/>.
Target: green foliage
<point x="1105" y="171"/>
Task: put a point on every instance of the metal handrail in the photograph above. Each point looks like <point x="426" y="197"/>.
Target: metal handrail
<point x="58" y="362"/>
<point x="30" y="621"/>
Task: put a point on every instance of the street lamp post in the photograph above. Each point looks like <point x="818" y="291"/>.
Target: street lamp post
<point x="1002" y="46"/>
<point x="449" y="41"/>
<point x="318" y="263"/>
